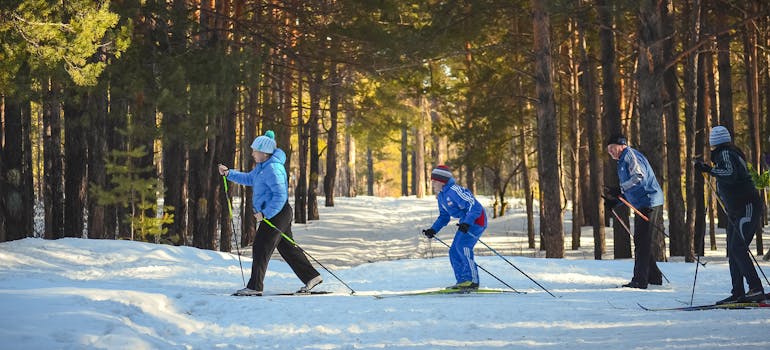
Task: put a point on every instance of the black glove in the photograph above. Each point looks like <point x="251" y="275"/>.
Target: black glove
<point x="611" y="203"/>
<point x="702" y="167"/>
<point x="429" y="232"/>
<point x="463" y="227"/>
<point x="611" y="192"/>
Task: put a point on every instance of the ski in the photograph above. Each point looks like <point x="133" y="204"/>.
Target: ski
<point x="481" y="291"/>
<point x="728" y="306"/>
<point x="313" y="292"/>
<point x="284" y="294"/>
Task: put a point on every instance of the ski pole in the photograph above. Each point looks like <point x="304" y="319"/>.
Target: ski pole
<point x="697" y="264"/>
<point x="285" y="236"/>
<point x="515" y="267"/>
<point x="724" y="210"/>
<point x="232" y="226"/>
<point x="485" y="270"/>
<point x="644" y="217"/>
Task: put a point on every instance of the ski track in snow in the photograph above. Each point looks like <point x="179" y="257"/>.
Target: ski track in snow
<point x="99" y="294"/>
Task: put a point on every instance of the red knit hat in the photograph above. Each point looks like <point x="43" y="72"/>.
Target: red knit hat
<point x="441" y="174"/>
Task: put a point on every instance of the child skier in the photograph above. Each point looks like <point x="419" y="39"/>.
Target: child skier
<point x="455" y="201"/>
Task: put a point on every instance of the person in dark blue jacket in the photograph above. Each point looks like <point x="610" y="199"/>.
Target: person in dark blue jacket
<point x="640" y="188"/>
<point x="270" y="201"/>
<point x="455" y="201"/>
<point x="744" y="207"/>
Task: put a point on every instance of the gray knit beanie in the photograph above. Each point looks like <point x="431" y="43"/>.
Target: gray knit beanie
<point x="719" y="135"/>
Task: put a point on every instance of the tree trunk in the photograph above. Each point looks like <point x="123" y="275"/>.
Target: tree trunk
<point x="526" y="180"/>
<point x="419" y="149"/>
<point x="249" y="127"/>
<point x="53" y="193"/>
<point x="575" y="140"/>
<point x="97" y="153"/>
<point x="16" y="171"/>
<point x="225" y="154"/>
<point x="315" y="111"/>
<point x="676" y="209"/>
<point x="3" y="231"/>
<point x="404" y="162"/>
<point x="330" y="178"/>
<point x="349" y="184"/>
<point x="690" y="86"/>
<point x="300" y="194"/>
<point x="725" y="74"/>
<point x="650" y="76"/>
<point x="548" y="133"/>
<point x="701" y="124"/>
<point x="611" y="124"/>
<point x="592" y="125"/>
<point x="369" y="172"/>
<point x="751" y="62"/>
<point x="470" y="182"/>
<point x="75" y="160"/>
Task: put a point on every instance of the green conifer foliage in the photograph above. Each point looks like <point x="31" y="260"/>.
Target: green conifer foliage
<point x="135" y="189"/>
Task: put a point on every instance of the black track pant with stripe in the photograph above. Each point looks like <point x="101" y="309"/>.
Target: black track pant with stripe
<point x="744" y="222"/>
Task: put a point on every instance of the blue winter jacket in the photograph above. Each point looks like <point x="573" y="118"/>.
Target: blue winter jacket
<point x="268" y="179"/>
<point x="455" y="201"/>
<point x="637" y="180"/>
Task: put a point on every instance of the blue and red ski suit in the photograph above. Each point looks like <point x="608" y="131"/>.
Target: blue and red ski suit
<point x="455" y="201"/>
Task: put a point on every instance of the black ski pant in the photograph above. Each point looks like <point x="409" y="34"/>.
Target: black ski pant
<point x="265" y="242"/>
<point x="645" y="268"/>
<point x="744" y="221"/>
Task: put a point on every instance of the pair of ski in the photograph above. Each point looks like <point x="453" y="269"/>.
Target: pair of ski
<point x="482" y="291"/>
<point x="727" y="306"/>
<point x="320" y="292"/>
<point x="449" y="291"/>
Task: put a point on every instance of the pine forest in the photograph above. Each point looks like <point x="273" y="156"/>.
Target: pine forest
<point x="115" y="114"/>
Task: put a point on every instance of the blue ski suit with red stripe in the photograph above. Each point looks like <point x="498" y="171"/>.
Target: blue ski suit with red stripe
<point x="455" y="201"/>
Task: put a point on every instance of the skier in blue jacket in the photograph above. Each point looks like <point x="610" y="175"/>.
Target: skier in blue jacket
<point x="455" y="201"/>
<point x="270" y="201"/>
<point x="639" y="187"/>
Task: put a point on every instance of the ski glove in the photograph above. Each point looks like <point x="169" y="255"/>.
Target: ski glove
<point x="702" y="167"/>
<point x="610" y="203"/>
<point x="429" y="232"/>
<point x="463" y="227"/>
<point x="612" y="192"/>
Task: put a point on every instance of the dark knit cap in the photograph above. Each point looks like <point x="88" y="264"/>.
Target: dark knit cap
<point x="617" y="139"/>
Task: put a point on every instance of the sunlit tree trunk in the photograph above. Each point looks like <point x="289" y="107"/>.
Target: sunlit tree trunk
<point x="611" y="124"/>
<point x="676" y="209"/>
<point x="692" y="13"/>
<point x="330" y="178"/>
<point x="315" y="111"/>
<point x="300" y="194"/>
<point x="751" y="62"/>
<point x="594" y="137"/>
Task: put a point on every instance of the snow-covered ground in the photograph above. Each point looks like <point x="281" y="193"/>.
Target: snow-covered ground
<point x="91" y="294"/>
